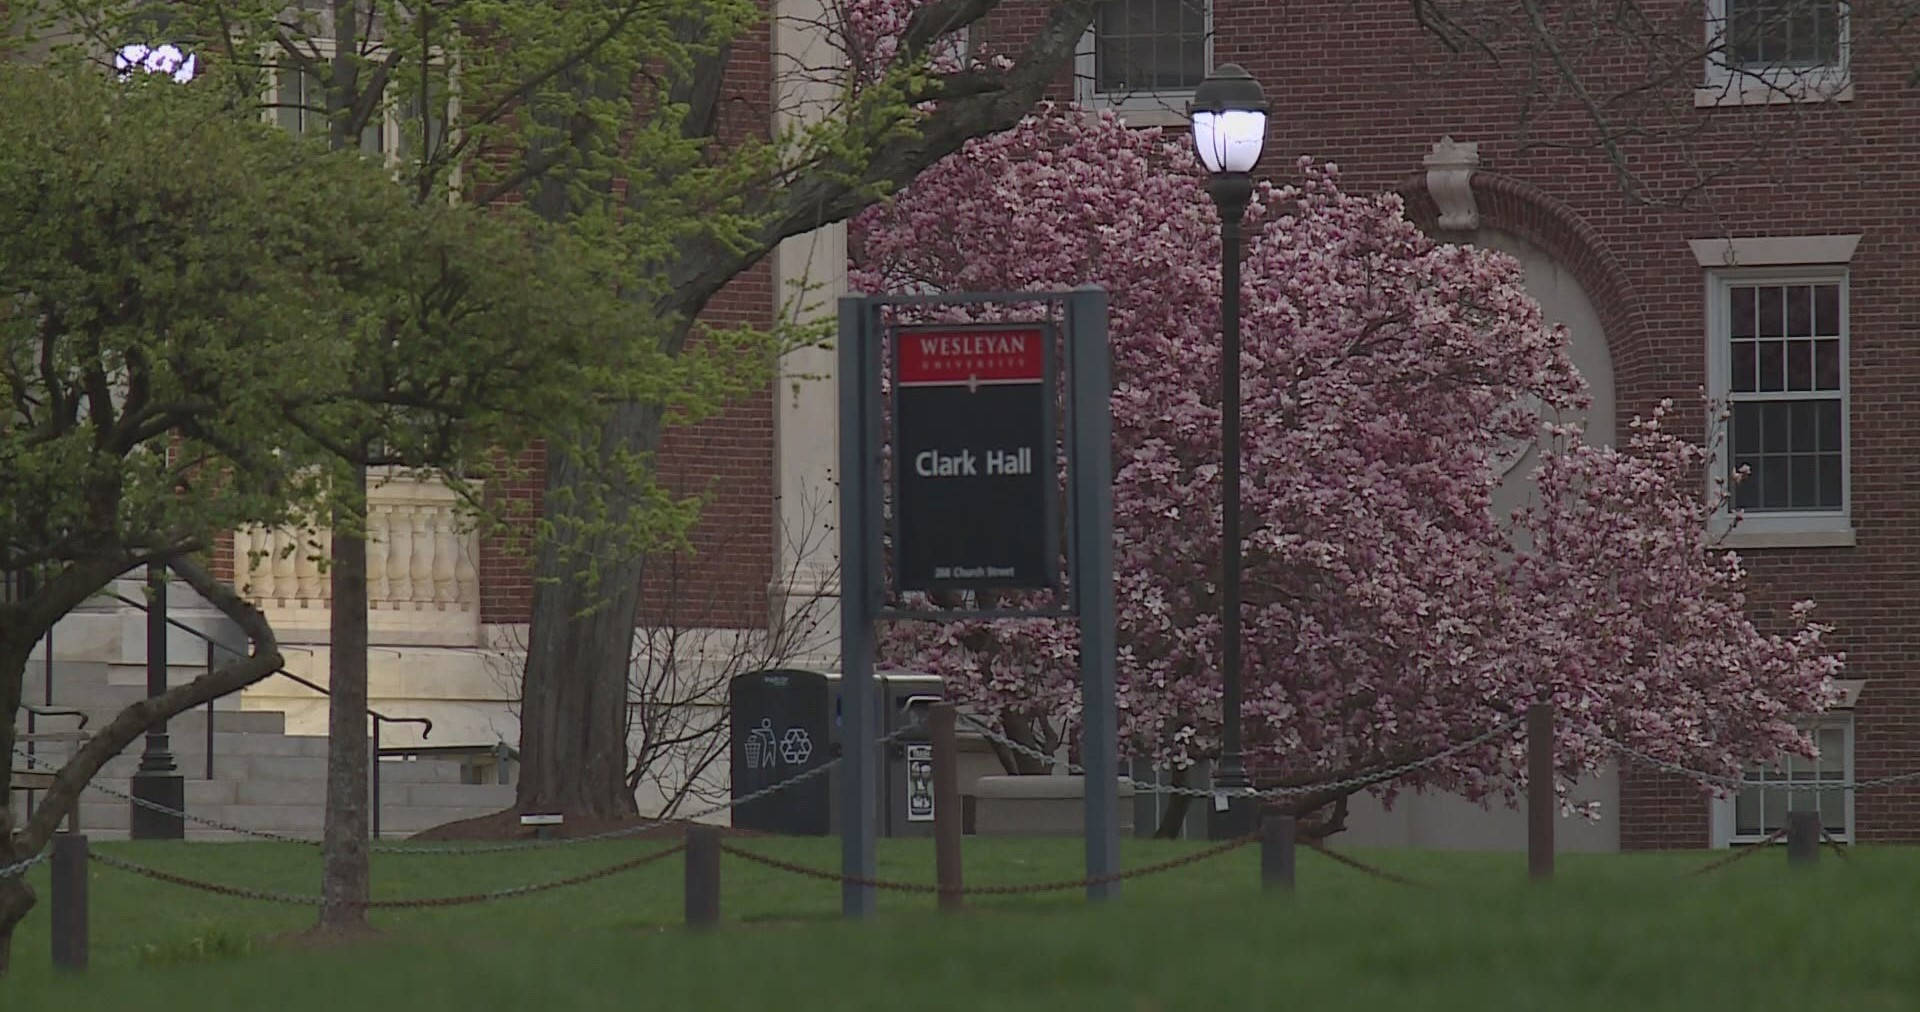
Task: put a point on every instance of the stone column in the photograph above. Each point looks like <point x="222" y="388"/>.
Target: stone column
<point x="809" y="273"/>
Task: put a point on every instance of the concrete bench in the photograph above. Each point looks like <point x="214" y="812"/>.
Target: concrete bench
<point x="1038" y="806"/>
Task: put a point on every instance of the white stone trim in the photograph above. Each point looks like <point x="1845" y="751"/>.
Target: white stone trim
<point x="1760" y="91"/>
<point x="1774" y="251"/>
<point x="1850" y="689"/>
<point x="1450" y="168"/>
<point x="1836" y="532"/>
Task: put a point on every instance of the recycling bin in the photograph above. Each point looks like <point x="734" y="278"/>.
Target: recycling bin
<point x="782" y="727"/>
<point x="787" y="721"/>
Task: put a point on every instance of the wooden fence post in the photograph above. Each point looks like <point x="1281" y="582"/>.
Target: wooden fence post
<point x="1276" y="852"/>
<point x="69" y="901"/>
<point x="947" y="817"/>
<point x="1542" y="806"/>
<point x="1803" y="838"/>
<point x="703" y="876"/>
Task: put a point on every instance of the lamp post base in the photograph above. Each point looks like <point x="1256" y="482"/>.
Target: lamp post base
<point x="1233" y="815"/>
<point x="1236" y="820"/>
<point x="168" y="790"/>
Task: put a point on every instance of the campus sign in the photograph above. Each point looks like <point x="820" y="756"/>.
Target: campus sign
<point x="975" y="488"/>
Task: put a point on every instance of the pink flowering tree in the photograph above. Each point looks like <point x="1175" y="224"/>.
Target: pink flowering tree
<point x="1389" y="611"/>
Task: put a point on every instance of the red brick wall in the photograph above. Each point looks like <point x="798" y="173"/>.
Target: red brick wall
<point x="1358" y="83"/>
<point x="727" y="459"/>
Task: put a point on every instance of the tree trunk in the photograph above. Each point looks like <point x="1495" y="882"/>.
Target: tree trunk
<point x="1176" y="814"/>
<point x="344" y="881"/>
<point x="16" y="898"/>
<point x="573" y="712"/>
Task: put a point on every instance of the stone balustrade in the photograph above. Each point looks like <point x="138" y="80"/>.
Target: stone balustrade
<point x="423" y="581"/>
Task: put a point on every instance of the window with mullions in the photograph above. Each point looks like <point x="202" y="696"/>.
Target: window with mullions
<point x="1770" y="792"/>
<point x="300" y="105"/>
<point x="1763" y="34"/>
<point x="1762" y="51"/>
<point x="1785" y="383"/>
<point x="1151" y="51"/>
<point x="394" y="134"/>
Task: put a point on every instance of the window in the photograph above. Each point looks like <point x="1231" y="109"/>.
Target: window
<point x="1778" y="358"/>
<point x="394" y="134"/>
<point x="1762" y="51"/>
<point x="300" y="104"/>
<point x="1146" y="54"/>
<point x="1760" y="808"/>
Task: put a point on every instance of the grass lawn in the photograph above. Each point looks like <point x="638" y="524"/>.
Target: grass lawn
<point x="1614" y="932"/>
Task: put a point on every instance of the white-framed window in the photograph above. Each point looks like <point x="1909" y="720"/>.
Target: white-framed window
<point x="297" y="102"/>
<point x="1759" y="808"/>
<point x="1765" y="51"/>
<point x="1777" y="340"/>
<point x="1145" y="57"/>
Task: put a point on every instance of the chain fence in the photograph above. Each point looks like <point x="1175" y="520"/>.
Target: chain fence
<point x="1006" y="889"/>
<point x="406" y="903"/>
<point x="1358" y="865"/>
<point x="1344" y="785"/>
<point x="19" y="868"/>
<point x="1722" y="780"/>
<point x="1340" y="785"/>
<point x="462" y="850"/>
<point x="1738" y="854"/>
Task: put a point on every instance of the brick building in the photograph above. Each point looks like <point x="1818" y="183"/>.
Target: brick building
<point x="1766" y="262"/>
<point x="1778" y="282"/>
<point x="1752" y="227"/>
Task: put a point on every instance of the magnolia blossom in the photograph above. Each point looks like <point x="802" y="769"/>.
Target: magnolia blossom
<point x="1388" y="611"/>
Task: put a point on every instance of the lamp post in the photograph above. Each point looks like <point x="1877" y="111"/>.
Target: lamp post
<point x="157" y="782"/>
<point x="1229" y="114"/>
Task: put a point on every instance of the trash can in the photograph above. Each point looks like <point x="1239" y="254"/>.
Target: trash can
<point x="908" y="775"/>
<point x="787" y="721"/>
<point x="782" y="723"/>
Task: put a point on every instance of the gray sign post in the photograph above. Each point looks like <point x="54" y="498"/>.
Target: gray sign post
<point x="1089" y="583"/>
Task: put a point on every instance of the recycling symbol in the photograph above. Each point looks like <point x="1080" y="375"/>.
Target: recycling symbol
<point x="796" y="746"/>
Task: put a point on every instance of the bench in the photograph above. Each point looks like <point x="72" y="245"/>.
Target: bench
<point x="29" y="780"/>
<point x="476" y="761"/>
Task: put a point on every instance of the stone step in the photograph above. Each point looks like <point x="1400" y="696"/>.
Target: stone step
<point x="492" y="797"/>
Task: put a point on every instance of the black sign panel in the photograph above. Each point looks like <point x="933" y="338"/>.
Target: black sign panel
<point x="781" y="730"/>
<point x="973" y="458"/>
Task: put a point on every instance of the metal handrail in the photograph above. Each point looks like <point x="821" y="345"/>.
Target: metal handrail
<point x="34" y="710"/>
<point x="281" y="671"/>
<point x="426" y="723"/>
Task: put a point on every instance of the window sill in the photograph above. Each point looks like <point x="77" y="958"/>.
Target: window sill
<point x="1748" y="535"/>
<point x="1751" y="90"/>
<point x="1144" y="109"/>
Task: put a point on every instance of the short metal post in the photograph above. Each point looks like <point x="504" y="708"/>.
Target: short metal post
<point x="157" y="784"/>
<point x="703" y="876"/>
<point x="69" y="901"/>
<point x="209" y="713"/>
<point x="1541" y="803"/>
<point x="373" y="777"/>
<point x="946" y="804"/>
<point x="1276" y="852"/>
<point x="1803" y="838"/>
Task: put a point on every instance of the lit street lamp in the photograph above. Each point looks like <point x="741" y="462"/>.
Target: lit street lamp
<point x="157" y="782"/>
<point x="1229" y="128"/>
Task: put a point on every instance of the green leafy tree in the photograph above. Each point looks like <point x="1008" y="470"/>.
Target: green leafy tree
<point x="197" y="313"/>
<point x="603" y="117"/>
